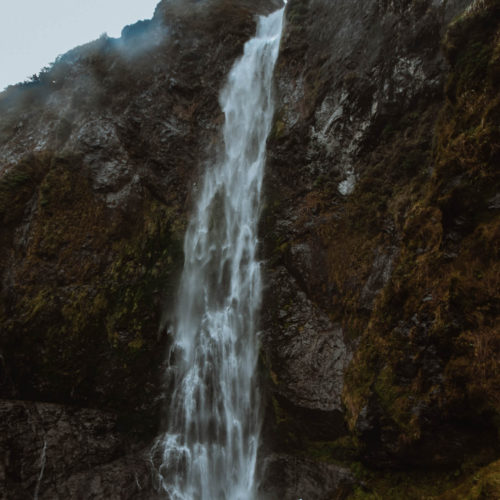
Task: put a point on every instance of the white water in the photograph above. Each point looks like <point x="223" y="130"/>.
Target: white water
<point x="209" y="451"/>
<point x="43" y="459"/>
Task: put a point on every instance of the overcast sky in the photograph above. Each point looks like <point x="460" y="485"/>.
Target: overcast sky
<point x="34" y="32"/>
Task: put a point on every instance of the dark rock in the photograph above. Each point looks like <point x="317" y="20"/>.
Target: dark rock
<point x="375" y="212"/>
<point x="379" y="276"/>
<point x="306" y="351"/>
<point x="293" y="478"/>
<point x="53" y="451"/>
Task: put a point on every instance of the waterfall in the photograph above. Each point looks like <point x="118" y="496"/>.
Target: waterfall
<point x="209" y="450"/>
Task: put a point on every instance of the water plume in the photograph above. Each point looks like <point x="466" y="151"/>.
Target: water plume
<point x="210" y="448"/>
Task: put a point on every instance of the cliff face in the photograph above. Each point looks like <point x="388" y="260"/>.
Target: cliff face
<point x="380" y="229"/>
<point x="98" y="158"/>
<point x="380" y="235"/>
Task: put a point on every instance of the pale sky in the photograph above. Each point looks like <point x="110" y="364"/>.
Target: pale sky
<point x="34" y="32"/>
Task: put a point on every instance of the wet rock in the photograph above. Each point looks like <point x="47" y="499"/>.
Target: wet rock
<point x="54" y="451"/>
<point x="377" y="60"/>
<point x="306" y="351"/>
<point x="294" y="478"/>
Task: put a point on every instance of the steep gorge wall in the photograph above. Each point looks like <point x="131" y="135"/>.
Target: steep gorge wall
<point x="380" y="321"/>
<point x="381" y="231"/>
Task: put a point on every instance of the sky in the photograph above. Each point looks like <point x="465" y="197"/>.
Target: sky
<point x="34" y="32"/>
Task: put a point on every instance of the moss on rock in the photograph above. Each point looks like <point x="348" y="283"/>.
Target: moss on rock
<point x="80" y="320"/>
<point x="432" y="343"/>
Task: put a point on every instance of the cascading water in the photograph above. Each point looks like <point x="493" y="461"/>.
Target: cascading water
<point x="209" y="451"/>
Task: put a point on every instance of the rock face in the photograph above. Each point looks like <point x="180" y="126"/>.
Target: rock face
<point x="98" y="159"/>
<point x="380" y="333"/>
<point x="53" y="451"/>
<point x="292" y="477"/>
<point x="381" y="221"/>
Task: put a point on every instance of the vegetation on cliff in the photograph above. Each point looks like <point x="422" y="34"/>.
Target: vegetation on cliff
<point x="411" y="261"/>
<point x="77" y="327"/>
<point x="402" y="273"/>
<point x="432" y="343"/>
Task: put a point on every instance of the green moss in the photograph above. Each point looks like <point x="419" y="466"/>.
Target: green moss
<point x="279" y="127"/>
<point x="483" y="484"/>
<point x="297" y="11"/>
<point x="414" y="161"/>
<point x="18" y="185"/>
<point x="458" y="278"/>
<point x="78" y="297"/>
<point x="398" y="485"/>
<point x="343" y="450"/>
<point x="388" y="130"/>
<point x="286" y="434"/>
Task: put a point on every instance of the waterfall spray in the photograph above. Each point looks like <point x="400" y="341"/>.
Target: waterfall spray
<point x="209" y="450"/>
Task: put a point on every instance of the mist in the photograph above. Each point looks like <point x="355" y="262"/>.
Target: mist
<point x="33" y="34"/>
